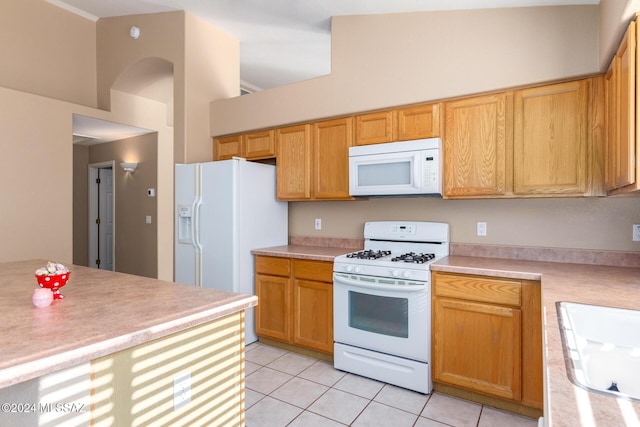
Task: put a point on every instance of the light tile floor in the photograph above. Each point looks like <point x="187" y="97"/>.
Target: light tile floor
<point x="289" y="389"/>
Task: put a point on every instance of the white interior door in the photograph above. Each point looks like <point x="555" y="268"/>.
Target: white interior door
<point x="101" y="242"/>
<point x="105" y="229"/>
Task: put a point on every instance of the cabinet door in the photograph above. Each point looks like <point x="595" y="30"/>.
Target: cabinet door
<point x="293" y="171"/>
<point x="478" y="133"/>
<point x="611" y="124"/>
<point x="331" y="142"/>
<point x="422" y="121"/>
<point x="273" y="313"/>
<point x="626" y="147"/>
<point x="313" y="315"/>
<point x="226" y="147"/>
<point x="550" y="139"/>
<point x="532" y="383"/>
<point x="478" y="347"/>
<point x="375" y="128"/>
<point x="260" y="145"/>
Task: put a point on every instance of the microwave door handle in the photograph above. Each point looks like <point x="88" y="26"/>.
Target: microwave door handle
<point x="376" y="286"/>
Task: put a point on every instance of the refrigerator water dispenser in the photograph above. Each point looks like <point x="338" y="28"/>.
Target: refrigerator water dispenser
<point x="184" y="224"/>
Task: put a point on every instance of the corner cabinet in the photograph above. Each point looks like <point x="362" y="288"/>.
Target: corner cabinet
<point x="622" y="83"/>
<point x="313" y="160"/>
<point x="295" y="302"/>
<point x="487" y="336"/>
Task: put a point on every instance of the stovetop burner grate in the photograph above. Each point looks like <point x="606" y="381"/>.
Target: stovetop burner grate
<point x="369" y="254"/>
<point x="413" y="257"/>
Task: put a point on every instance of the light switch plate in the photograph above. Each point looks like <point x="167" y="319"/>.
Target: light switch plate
<point x="481" y="229"/>
<point x="636" y="232"/>
<point x="181" y="391"/>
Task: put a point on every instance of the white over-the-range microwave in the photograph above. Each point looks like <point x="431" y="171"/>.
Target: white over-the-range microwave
<point x="396" y="168"/>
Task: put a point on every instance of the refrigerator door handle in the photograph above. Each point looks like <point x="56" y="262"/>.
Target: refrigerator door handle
<point x="195" y="238"/>
<point x="195" y="229"/>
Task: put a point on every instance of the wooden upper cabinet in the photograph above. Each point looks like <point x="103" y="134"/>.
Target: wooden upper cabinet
<point x="477" y="137"/>
<point x="421" y="121"/>
<point x="550" y="139"/>
<point x="227" y="147"/>
<point x="403" y="124"/>
<point x="331" y="142"/>
<point x="260" y="145"/>
<point x="251" y="146"/>
<point x="375" y="128"/>
<point x="293" y="170"/>
<point x="625" y="147"/>
<point x="611" y="124"/>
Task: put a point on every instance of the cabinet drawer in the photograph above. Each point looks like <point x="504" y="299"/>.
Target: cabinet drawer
<point x="478" y="288"/>
<point x="321" y="271"/>
<point x="273" y="266"/>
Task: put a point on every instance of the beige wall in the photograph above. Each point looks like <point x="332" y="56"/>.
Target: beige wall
<point x="212" y="72"/>
<point x="381" y="61"/>
<point x="580" y="223"/>
<point x="47" y="51"/>
<point x="136" y="242"/>
<point x="615" y="16"/>
<point x="205" y="68"/>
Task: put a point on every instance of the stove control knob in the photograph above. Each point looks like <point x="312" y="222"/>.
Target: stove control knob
<point x="357" y="269"/>
<point x="395" y="273"/>
<point x="349" y="268"/>
<point x="405" y="274"/>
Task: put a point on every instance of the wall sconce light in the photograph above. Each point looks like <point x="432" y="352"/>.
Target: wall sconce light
<point x="129" y="167"/>
<point x="134" y="32"/>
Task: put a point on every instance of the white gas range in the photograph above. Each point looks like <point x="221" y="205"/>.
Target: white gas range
<point x="382" y="303"/>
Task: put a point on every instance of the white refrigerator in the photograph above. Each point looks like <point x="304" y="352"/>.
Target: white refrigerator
<point x="225" y="209"/>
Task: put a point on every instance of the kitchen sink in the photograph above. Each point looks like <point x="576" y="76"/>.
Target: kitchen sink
<point x="602" y="345"/>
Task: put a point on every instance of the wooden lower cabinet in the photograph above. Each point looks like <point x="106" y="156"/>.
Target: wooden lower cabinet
<point x="487" y="336"/>
<point x="295" y="302"/>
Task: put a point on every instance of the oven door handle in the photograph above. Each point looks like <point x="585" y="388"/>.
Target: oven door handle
<point x="341" y="279"/>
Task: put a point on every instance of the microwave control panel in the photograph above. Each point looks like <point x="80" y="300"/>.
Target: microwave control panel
<point x="431" y="165"/>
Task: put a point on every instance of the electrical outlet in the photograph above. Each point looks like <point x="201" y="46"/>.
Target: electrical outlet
<point x="181" y="391"/>
<point x="318" y="224"/>
<point x="481" y="228"/>
<point x="636" y="232"/>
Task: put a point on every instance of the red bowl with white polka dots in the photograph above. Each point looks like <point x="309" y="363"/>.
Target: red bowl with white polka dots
<point x="54" y="283"/>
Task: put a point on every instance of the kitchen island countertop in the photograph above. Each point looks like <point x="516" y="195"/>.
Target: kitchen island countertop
<point x="566" y="404"/>
<point x="102" y="312"/>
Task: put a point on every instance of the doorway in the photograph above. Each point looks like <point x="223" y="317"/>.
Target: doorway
<point x="101" y="216"/>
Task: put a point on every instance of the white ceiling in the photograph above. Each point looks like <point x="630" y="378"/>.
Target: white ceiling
<point x="91" y="131"/>
<point x="283" y="41"/>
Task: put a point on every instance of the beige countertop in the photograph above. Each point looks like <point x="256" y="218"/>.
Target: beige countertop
<point x="567" y="404"/>
<point x="317" y="253"/>
<point x="102" y="312"/>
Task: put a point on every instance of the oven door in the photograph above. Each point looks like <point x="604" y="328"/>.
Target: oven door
<point x="383" y="315"/>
